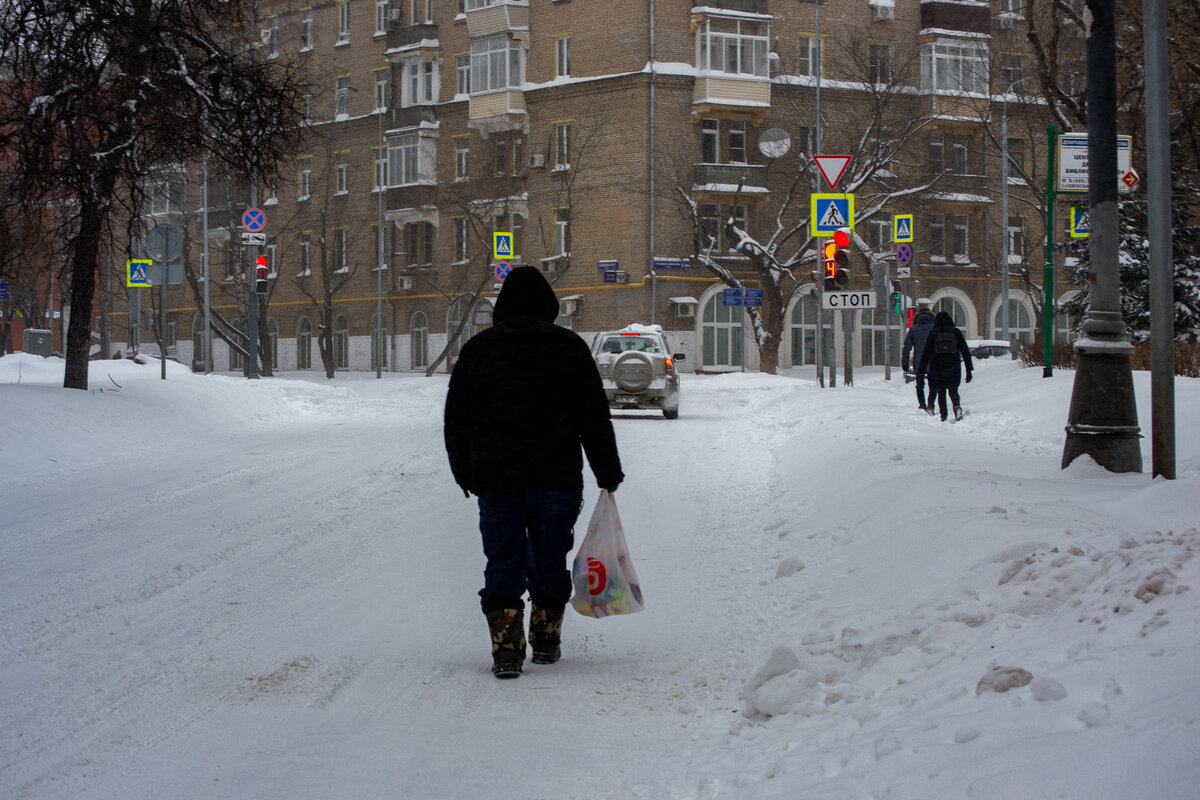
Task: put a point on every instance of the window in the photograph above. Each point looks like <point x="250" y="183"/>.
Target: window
<point x="462" y="73"/>
<point x="518" y="231"/>
<point x="1016" y="157"/>
<point x="505" y="152"/>
<point x="379" y="343"/>
<point x="379" y="173"/>
<point x="341" y="250"/>
<point x="710" y="146"/>
<point x="961" y="255"/>
<point x="420" y="84"/>
<point x="342" y="171"/>
<point x="381" y="9"/>
<point x="959" y="154"/>
<point x="305" y="255"/>
<point x="343" y="15"/>
<point x="880" y="233"/>
<point x="712" y="226"/>
<point x="162" y="198"/>
<point x="402" y="160"/>
<point x="955" y="309"/>
<point x="306" y="29"/>
<point x="954" y="68"/>
<point x="462" y="152"/>
<point x="937" y="237"/>
<point x="880" y="66"/>
<point x="562" y="231"/>
<point x="1011" y="72"/>
<point x="273" y="39"/>
<point x="419" y="339"/>
<point x="462" y="232"/>
<point x="562" y="56"/>
<point x="562" y="145"/>
<point x="1016" y="240"/>
<point x="937" y="152"/>
<point x="271" y="190"/>
<point x="306" y="103"/>
<point x="380" y="237"/>
<point x="382" y="84"/>
<point x="418" y="242"/>
<point x="737" y="141"/>
<point x="473" y="5"/>
<point x="734" y="46"/>
<point x="341" y="343"/>
<point x="496" y="63"/>
<point x="341" y="98"/>
<point x="304" y="178"/>
<point x="810" y="56"/>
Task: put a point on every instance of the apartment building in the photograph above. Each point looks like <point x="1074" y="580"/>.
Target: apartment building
<point x="613" y="140"/>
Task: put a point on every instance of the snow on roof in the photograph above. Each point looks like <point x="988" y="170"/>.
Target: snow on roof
<point x="685" y="300"/>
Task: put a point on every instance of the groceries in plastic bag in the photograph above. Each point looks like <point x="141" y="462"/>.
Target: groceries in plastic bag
<point x="603" y="575"/>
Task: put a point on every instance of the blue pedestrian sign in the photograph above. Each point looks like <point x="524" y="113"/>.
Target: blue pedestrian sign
<point x="502" y="244"/>
<point x="1081" y="225"/>
<point x="254" y="219"/>
<point x="902" y="228"/>
<point x="830" y="212"/>
<point x="137" y="272"/>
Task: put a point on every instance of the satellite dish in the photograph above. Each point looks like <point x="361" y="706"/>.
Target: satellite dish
<point x="774" y="142"/>
<point x="163" y="243"/>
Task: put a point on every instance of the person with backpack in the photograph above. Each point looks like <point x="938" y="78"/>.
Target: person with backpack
<point x="914" y="344"/>
<point x="945" y="349"/>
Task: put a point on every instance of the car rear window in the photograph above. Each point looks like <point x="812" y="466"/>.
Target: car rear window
<point x="622" y="344"/>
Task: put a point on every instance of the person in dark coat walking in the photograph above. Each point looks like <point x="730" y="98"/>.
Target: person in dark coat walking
<point x="914" y="345"/>
<point x="525" y="404"/>
<point x="945" y="349"/>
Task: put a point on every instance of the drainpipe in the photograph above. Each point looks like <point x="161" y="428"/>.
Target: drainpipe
<point x="653" y="276"/>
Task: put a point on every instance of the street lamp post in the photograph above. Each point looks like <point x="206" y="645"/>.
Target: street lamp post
<point x="377" y="332"/>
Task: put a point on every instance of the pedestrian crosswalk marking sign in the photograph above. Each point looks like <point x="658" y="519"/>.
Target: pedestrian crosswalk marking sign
<point x="830" y="212"/>
<point x="903" y="228"/>
<point x="1081" y="225"/>
<point x="137" y="272"/>
<point x="502" y="244"/>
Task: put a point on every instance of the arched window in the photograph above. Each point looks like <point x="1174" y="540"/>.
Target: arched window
<point x="722" y="334"/>
<point x="805" y="315"/>
<point x="1020" y="320"/>
<point x="303" y="343"/>
<point x="419" y="340"/>
<point x="955" y="309"/>
<point x="379" y="332"/>
<point x="1066" y="325"/>
<point x="873" y="324"/>
<point x="454" y="318"/>
<point x="341" y="343"/>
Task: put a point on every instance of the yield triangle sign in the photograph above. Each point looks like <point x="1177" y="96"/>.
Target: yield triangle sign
<point x="832" y="167"/>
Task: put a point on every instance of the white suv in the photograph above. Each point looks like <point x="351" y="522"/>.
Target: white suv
<point x="637" y="369"/>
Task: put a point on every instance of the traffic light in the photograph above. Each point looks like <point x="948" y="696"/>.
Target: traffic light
<point x="897" y="298"/>
<point x="260" y="275"/>
<point x="835" y="259"/>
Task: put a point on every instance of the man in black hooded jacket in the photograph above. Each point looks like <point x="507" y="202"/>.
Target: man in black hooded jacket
<point x="944" y="349"/>
<point x="524" y="398"/>
<point x="914" y="344"/>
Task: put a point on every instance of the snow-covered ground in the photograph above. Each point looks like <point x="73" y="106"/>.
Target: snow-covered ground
<point x="219" y="588"/>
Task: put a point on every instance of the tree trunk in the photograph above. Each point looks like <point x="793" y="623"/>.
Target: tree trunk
<point x="83" y="292"/>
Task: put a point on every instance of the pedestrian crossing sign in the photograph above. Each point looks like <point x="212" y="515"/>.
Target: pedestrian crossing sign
<point x="137" y="272"/>
<point x="902" y="228"/>
<point x="502" y="246"/>
<point x="1081" y="225"/>
<point x="830" y="212"/>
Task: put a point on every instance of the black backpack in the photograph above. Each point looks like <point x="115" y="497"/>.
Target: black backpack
<point x="945" y="343"/>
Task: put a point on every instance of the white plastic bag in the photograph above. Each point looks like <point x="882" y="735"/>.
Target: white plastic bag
<point x="603" y="575"/>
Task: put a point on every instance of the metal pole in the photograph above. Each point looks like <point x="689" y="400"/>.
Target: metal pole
<point x="252" y="296"/>
<point x="1004" y="243"/>
<point x="381" y="341"/>
<point x="1162" y="277"/>
<point x="1048" y="274"/>
<point x="1102" y="421"/>
<point x="206" y="344"/>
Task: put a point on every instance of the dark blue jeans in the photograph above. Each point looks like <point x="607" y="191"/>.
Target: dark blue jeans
<point x="527" y="536"/>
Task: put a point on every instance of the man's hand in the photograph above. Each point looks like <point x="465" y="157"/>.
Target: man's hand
<point x="968" y="377"/>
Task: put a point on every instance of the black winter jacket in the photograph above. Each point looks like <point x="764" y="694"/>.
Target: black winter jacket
<point x="914" y="340"/>
<point x="943" y="368"/>
<point x="524" y="396"/>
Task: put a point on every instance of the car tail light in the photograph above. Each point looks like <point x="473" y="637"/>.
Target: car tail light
<point x="670" y="362"/>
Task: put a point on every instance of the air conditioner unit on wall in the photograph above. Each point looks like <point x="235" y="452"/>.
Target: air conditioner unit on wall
<point x="883" y="12"/>
<point x="685" y="309"/>
<point x="537" y="160"/>
<point x="395" y="15"/>
<point x="406" y="284"/>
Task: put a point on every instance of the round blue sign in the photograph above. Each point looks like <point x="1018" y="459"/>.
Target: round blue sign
<point x="502" y="269"/>
<point x="254" y="219"/>
<point x="904" y="254"/>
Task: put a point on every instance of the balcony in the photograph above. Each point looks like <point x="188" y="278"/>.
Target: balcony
<point x="417" y="195"/>
<point x="719" y="182"/>
<point x="412" y="117"/>
<point x="499" y="17"/>
<point x="955" y="16"/>
<point x="748" y="6"/>
<point x="413" y="37"/>
<point x="500" y="111"/>
<point x="732" y="97"/>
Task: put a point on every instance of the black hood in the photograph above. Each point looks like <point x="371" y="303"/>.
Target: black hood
<point x="923" y="317"/>
<point x="943" y="320"/>
<point x="526" y="293"/>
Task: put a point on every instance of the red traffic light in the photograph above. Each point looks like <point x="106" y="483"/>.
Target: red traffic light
<point x="260" y="261"/>
<point x="841" y="237"/>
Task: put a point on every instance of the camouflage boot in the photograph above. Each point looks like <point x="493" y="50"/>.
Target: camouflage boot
<point x="508" y="641"/>
<point x="545" y="633"/>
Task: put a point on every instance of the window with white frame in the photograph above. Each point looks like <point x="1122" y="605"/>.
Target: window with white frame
<point x="305" y="254"/>
<point x="562" y="230"/>
<point x="462" y="73"/>
<point x="341" y="249"/>
<point x="273" y="37"/>
<point x="496" y="63"/>
<point x="937" y="152"/>
<point x="810" y="56"/>
<point x="403" y="159"/>
<point x="418" y="243"/>
<point x="733" y="46"/>
<point x="958" y="154"/>
<point x="342" y="171"/>
<point x="343" y="17"/>
<point x="341" y="98"/>
<point x="162" y="196"/>
<point x="937" y="237"/>
<point x="304" y="178"/>
<point x="381" y="9"/>
<point x="880" y="64"/>
<point x="462" y="233"/>
<point x="737" y="141"/>
<point x="954" y="67"/>
<point x="462" y="153"/>
<point x="382" y="82"/>
<point x="1012" y="72"/>
<point x="473" y="5"/>
<point x="306" y="29"/>
<point x="420" y="82"/>
<point x="379" y="173"/>
<point x="562" y="56"/>
<point x="306" y="103"/>
<point x="961" y="254"/>
<point x="1016" y="239"/>
<point x="562" y="144"/>
<point x="710" y="141"/>
<point x="1016" y="157"/>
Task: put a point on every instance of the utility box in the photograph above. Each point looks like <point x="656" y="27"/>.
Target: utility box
<point x="37" y="342"/>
